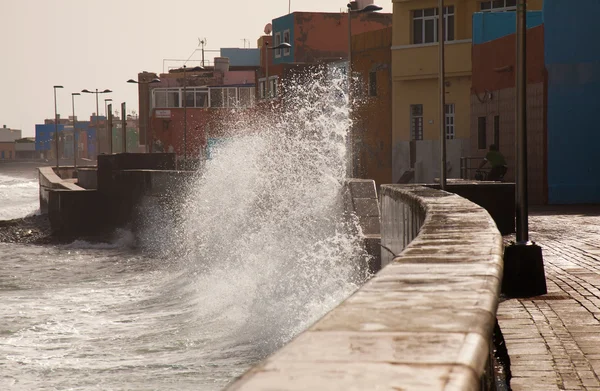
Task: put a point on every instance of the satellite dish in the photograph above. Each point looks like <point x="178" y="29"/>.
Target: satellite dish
<point x="268" y="28"/>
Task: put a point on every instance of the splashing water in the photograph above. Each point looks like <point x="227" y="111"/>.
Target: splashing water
<point x="263" y="243"/>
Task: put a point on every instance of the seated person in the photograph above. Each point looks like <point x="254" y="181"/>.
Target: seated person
<point x="498" y="163"/>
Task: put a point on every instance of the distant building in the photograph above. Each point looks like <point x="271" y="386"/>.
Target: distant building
<point x="315" y="37"/>
<point x="25" y="148"/>
<point x="207" y="92"/>
<point x="7" y="142"/>
<point x="242" y="57"/>
<point x="85" y="136"/>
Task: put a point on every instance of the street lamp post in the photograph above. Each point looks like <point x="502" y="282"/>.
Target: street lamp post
<point x="56" y="127"/>
<point x="283" y="45"/>
<point x="75" y="149"/>
<point x="442" y="77"/>
<point x="155" y="80"/>
<point x="524" y="274"/>
<point x="97" y="114"/>
<point x="368" y="9"/>
<point x="108" y="123"/>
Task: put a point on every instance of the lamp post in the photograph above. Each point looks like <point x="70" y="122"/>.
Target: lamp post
<point x="368" y="9"/>
<point x="108" y="123"/>
<point x="56" y="127"/>
<point x="283" y="45"/>
<point x="73" y="94"/>
<point x="523" y="262"/>
<point x="155" y="80"/>
<point x="97" y="114"/>
<point x="442" y="77"/>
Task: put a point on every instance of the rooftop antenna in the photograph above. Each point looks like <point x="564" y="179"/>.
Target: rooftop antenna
<point x="202" y="42"/>
<point x="246" y="40"/>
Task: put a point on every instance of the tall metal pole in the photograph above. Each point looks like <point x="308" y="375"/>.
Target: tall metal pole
<point x="442" y="77"/>
<point x="267" y="86"/>
<point x="109" y="127"/>
<point x="97" y="128"/>
<point x="124" y="126"/>
<point x="521" y="201"/>
<point x="349" y="77"/>
<point x="56" y="129"/>
<point x="184" y="119"/>
<point x="524" y="274"/>
<point x="74" y="132"/>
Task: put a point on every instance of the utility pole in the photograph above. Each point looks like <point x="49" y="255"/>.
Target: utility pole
<point x="523" y="262"/>
<point x="442" y="77"/>
<point x="124" y="126"/>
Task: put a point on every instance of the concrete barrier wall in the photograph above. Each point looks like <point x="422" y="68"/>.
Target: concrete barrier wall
<point x="48" y="180"/>
<point x="361" y="200"/>
<point x="424" y="322"/>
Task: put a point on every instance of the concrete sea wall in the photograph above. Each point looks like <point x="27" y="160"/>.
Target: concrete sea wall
<point x="425" y="321"/>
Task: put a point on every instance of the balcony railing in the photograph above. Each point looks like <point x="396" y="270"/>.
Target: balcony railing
<point x="203" y="97"/>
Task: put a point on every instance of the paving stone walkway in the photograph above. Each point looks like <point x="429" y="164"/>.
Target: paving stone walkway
<point x="553" y="341"/>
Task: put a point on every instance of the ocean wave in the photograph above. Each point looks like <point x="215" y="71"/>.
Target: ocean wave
<point x="19" y="197"/>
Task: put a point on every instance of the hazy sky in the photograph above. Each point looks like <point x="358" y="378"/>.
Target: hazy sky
<point x="102" y="43"/>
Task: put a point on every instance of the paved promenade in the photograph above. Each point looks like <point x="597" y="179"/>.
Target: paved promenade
<point x="553" y="341"/>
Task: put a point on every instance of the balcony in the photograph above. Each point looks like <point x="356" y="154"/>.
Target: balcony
<point x="413" y="62"/>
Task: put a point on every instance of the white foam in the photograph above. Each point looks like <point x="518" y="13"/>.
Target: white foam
<point x="18" y="197"/>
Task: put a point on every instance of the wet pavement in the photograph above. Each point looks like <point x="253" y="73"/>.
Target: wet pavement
<point x="553" y="340"/>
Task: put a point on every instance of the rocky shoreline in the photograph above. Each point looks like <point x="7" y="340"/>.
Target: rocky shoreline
<point x="28" y="230"/>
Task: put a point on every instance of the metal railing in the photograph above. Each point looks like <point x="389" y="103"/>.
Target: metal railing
<point x="469" y="168"/>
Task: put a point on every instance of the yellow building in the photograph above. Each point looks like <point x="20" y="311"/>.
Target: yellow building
<point x="415" y="96"/>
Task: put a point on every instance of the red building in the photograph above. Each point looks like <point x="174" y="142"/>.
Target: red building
<point x="184" y="110"/>
<point x="493" y="106"/>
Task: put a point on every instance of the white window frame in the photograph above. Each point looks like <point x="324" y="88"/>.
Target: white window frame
<point x="498" y="8"/>
<point x="450" y="121"/>
<point x="262" y="89"/>
<point x="277" y="40"/>
<point x="274" y="83"/>
<point x="416" y="134"/>
<point x="434" y="17"/>
<point x="286" y="51"/>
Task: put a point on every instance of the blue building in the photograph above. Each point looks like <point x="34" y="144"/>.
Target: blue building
<point x="563" y="55"/>
<point x="572" y="58"/>
<point x="44" y="138"/>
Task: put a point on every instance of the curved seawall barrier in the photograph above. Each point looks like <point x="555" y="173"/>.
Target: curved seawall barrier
<point x="425" y="321"/>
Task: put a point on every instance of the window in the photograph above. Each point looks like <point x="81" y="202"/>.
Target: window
<point x="277" y="43"/>
<point x="450" y="121"/>
<point x="246" y="96"/>
<point x="216" y="97"/>
<point x="373" y="83"/>
<point x="173" y="98"/>
<point x="262" y="90"/>
<point x="481" y="129"/>
<point x="498" y="5"/>
<point x="286" y="39"/>
<point x="497" y="131"/>
<point x="273" y="82"/>
<point x="425" y="25"/>
<point x="416" y="122"/>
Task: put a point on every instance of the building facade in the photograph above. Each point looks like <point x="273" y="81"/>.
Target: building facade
<point x="8" y="137"/>
<point x="415" y="69"/>
<point x="372" y="115"/>
<point x="315" y="37"/>
<point x="493" y="96"/>
<point x="186" y="108"/>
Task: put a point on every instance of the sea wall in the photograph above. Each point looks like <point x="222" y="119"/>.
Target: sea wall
<point x="425" y="321"/>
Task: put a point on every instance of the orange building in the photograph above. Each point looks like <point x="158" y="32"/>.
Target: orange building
<point x="372" y="116"/>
